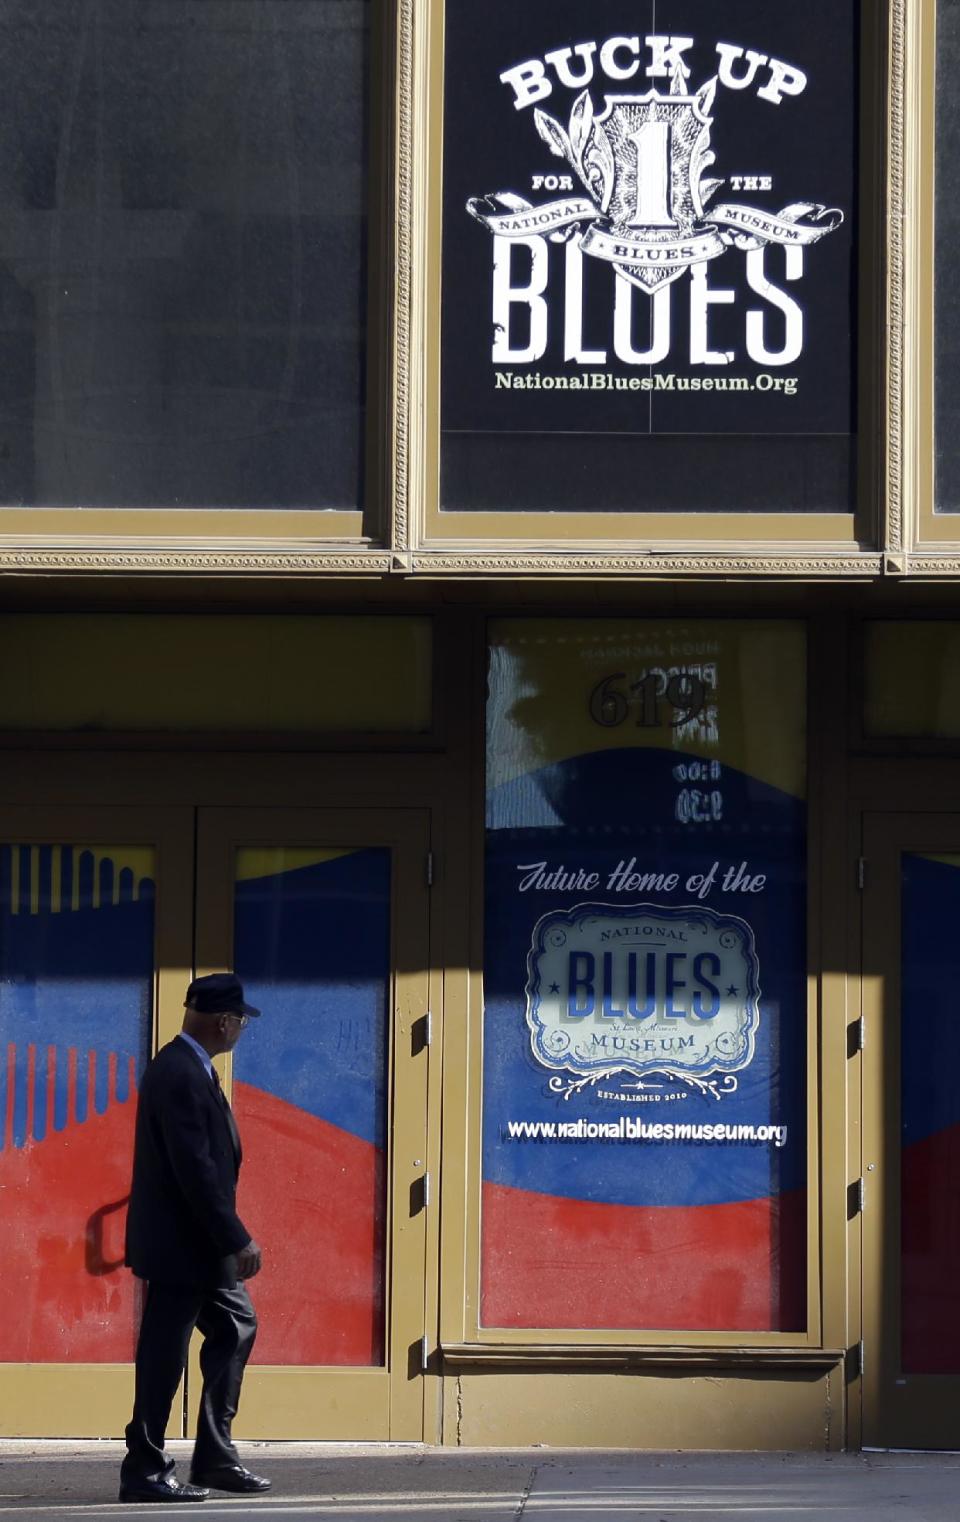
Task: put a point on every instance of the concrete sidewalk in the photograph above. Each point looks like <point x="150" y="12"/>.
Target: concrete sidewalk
<point x="413" y="1484"/>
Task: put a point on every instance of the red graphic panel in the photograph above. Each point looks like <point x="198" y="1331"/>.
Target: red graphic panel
<point x="312" y="1194"/>
<point x="930" y="1296"/>
<point x="551" y="1262"/>
<point x="66" y="1296"/>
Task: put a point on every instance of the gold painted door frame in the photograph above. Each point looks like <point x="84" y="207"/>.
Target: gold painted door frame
<point x="347" y="1403"/>
<point x="905" y="1403"/>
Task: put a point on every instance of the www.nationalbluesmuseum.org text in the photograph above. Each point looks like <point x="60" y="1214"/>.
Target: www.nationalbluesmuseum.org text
<point x="629" y="1128"/>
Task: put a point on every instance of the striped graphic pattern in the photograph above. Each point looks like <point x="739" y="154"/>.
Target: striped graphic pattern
<point x="46" y="879"/>
<point x="44" y="1089"/>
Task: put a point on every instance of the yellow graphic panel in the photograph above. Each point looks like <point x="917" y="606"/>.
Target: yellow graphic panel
<point x="270" y="861"/>
<point x="731" y="691"/>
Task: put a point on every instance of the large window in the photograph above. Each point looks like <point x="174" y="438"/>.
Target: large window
<point x="645" y="987"/>
<point x="183" y="253"/>
<point x="650" y="235"/>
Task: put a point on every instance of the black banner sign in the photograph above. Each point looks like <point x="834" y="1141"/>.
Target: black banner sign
<point x="649" y="226"/>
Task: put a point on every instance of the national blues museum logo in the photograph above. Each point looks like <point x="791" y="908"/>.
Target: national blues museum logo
<point x="643" y="164"/>
<point x="641" y="990"/>
<point x="650" y="231"/>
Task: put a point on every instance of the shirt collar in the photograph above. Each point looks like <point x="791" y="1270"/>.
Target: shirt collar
<point x="204" y="1056"/>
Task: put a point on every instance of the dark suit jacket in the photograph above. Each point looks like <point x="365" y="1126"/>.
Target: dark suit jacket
<point x="182" y="1222"/>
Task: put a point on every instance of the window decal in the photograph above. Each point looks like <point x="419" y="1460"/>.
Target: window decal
<point x="650" y="235"/>
<point x="645" y="1018"/>
<point x="643" y="990"/>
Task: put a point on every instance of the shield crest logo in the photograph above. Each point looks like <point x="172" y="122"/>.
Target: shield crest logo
<point x="660" y="148"/>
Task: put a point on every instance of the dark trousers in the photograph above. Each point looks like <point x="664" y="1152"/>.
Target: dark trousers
<point x="228" y="1323"/>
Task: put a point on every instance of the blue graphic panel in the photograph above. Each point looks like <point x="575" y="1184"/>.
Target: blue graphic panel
<point x="312" y="946"/>
<point x="931" y="911"/>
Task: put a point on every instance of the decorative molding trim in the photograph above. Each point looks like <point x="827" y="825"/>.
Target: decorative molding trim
<point x="534" y="1356"/>
<point x="317" y="561"/>
<point x="652" y="563"/>
<point x="404" y="202"/>
<point x="896" y="287"/>
<point x="934" y="565"/>
<point x="195" y="561"/>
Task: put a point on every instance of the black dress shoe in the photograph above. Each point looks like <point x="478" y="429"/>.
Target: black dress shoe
<point x="168" y="1489"/>
<point x="231" y="1477"/>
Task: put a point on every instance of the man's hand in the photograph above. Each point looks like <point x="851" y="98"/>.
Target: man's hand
<point x="248" y="1261"/>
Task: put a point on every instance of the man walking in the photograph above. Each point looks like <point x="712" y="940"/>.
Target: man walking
<point x="185" y="1239"/>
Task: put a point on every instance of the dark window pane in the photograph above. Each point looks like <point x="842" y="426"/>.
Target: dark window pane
<point x="182" y="252"/>
<point x="946" y="293"/>
<point x="650" y="240"/>
<point x="579" y="473"/>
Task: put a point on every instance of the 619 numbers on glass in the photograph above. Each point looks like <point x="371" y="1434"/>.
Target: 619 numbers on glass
<point x="614" y="699"/>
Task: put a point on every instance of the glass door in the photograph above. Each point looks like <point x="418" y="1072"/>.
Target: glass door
<point x="95" y="917"/>
<point x="911" y="1132"/>
<point x="323" y="914"/>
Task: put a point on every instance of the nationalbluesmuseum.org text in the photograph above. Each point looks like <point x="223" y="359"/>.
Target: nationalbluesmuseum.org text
<point x="605" y="380"/>
<point x="631" y="1128"/>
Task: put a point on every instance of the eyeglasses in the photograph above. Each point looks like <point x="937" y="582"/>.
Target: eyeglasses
<point x="234" y="1016"/>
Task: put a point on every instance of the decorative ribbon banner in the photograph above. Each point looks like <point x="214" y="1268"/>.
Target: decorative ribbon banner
<point x="641" y="253"/>
<point x="525" y="220"/>
<point x="757" y="227"/>
<point x="653" y="261"/>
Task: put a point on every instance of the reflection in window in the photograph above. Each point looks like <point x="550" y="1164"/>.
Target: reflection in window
<point x="182" y="256"/>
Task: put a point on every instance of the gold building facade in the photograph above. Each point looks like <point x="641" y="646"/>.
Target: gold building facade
<point x="479" y="557"/>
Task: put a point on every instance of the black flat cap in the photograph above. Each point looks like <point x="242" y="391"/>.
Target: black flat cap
<point x="219" y="993"/>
